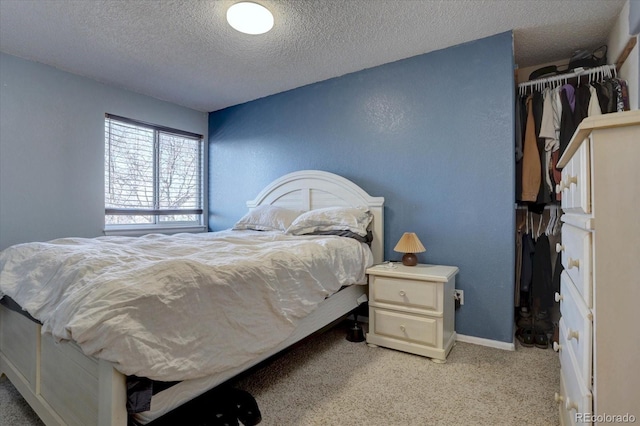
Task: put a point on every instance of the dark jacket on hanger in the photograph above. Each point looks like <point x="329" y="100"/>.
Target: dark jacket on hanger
<point x="526" y="271"/>
<point x="568" y="122"/>
<point x="541" y="276"/>
<point x="603" y="96"/>
<point x="583" y="96"/>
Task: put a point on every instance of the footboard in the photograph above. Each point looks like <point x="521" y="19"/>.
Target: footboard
<point x="60" y="383"/>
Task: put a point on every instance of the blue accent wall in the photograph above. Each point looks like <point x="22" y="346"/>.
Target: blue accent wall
<point x="433" y="134"/>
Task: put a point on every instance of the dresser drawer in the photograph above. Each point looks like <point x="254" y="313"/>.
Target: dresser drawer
<point x="576" y="328"/>
<point x="576" y="259"/>
<point x="407" y="293"/>
<point x="576" y="182"/>
<point x="566" y="417"/>
<point x="576" y="399"/>
<point x="410" y="328"/>
<point x="566" y="402"/>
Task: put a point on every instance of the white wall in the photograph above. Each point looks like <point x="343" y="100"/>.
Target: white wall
<point x="618" y="38"/>
<point x="52" y="148"/>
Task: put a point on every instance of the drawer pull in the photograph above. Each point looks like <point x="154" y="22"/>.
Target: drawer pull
<point x="571" y="405"/>
<point x="559" y="247"/>
<point x="557" y="347"/>
<point x="573" y="263"/>
<point x="562" y="186"/>
<point x="573" y="334"/>
<point x="558" y="297"/>
<point x="559" y="187"/>
<point x="402" y="293"/>
<point x="573" y="180"/>
<point x="403" y="328"/>
<point x="558" y="397"/>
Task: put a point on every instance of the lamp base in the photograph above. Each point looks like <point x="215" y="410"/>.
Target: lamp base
<point x="409" y="259"/>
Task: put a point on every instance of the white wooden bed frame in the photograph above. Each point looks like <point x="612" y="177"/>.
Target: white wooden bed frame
<point x="66" y="387"/>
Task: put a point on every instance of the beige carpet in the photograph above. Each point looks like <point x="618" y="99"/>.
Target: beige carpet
<point x="330" y="381"/>
<point x="14" y="410"/>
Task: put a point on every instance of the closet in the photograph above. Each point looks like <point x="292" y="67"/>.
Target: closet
<point x="548" y="111"/>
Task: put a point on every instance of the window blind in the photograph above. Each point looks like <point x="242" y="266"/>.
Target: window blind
<point x="152" y="173"/>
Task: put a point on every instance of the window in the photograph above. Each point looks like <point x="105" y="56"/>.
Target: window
<point x="153" y="176"/>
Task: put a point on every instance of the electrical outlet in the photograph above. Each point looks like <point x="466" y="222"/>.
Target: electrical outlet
<point x="459" y="296"/>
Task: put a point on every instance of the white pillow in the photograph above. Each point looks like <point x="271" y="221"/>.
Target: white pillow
<point x="267" y="218"/>
<point x="351" y="219"/>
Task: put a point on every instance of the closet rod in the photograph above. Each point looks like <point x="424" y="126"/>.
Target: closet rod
<point x="578" y="72"/>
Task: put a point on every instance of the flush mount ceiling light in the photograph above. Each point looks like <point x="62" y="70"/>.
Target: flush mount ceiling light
<point x="250" y="18"/>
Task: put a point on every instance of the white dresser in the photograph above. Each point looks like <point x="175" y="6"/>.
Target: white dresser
<point x="599" y="343"/>
<point x="412" y="308"/>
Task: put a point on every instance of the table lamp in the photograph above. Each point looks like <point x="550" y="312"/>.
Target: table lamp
<point x="409" y="244"/>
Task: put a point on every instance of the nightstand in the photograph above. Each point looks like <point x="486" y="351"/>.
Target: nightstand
<point x="412" y="308"/>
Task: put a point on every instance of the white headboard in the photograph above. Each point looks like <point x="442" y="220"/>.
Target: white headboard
<point x="315" y="189"/>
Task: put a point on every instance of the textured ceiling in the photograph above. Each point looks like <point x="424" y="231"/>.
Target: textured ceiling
<point x="184" y="52"/>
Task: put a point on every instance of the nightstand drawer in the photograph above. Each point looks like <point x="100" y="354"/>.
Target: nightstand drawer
<point x="405" y="327"/>
<point x="407" y="293"/>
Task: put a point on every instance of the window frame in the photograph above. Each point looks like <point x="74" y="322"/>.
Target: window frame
<point x="158" y="225"/>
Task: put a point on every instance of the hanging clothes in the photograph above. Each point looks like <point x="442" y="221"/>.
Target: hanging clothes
<point x="541" y="273"/>
<point x="551" y="144"/>
<point x="594" y="104"/>
<point x="591" y="92"/>
<point x="555" y="155"/>
<point x="526" y="271"/>
<point x="547" y="116"/>
<point x="604" y="93"/>
<point x="531" y="170"/>
<point x="521" y="119"/>
<point x="543" y="196"/>
<point x="568" y="124"/>
<point x="583" y="97"/>
<point x="625" y="95"/>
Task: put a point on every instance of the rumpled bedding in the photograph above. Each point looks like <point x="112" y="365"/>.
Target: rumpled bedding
<point x="178" y="307"/>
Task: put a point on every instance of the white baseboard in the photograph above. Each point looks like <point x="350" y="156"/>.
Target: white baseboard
<point x="487" y="342"/>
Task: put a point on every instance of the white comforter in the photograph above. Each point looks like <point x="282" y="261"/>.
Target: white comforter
<point x="183" y="306"/>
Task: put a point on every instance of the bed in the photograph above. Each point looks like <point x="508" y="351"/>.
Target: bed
<point x="64" y="386"/>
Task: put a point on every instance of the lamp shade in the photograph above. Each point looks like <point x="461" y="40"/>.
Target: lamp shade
<point x="409" y="244"/>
